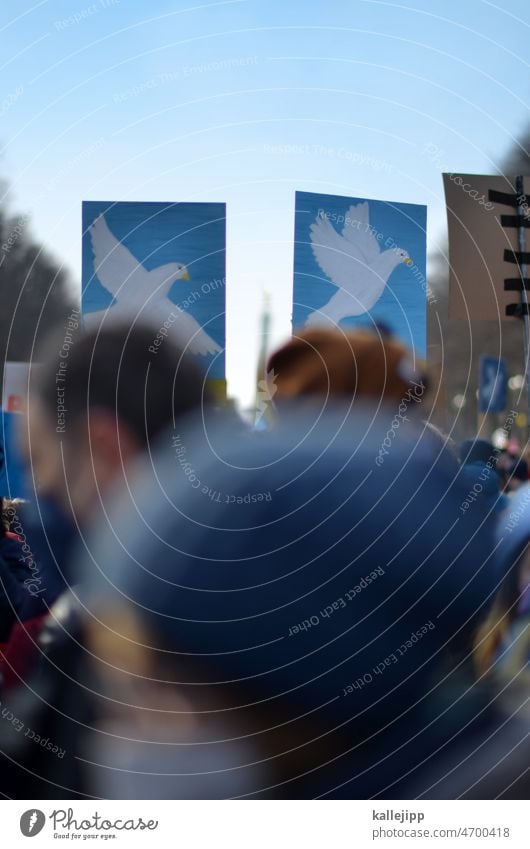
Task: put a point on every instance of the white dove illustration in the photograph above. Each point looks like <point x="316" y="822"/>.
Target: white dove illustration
<point x="354" y="262"/>
<point x="143" y="294"/>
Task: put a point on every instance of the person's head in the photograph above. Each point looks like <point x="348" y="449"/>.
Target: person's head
<point x="8" y="509"/>
<point x="513" y="597"/>
<point x="478" y="451"/>
<point x="345" y="365"/>
<point x="98" y="400"/>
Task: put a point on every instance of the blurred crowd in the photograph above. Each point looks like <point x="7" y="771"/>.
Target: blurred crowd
<point x="334" y="604"/>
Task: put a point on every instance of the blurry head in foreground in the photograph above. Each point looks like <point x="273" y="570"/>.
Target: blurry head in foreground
<point x="99" y="400"/>
<point x="296" y="627"/>
<point x="345" y="365"/>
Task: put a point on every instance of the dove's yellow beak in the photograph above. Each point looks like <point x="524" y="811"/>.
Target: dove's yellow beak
<point x="185" y="276"/>
<point x="408" y="261"/>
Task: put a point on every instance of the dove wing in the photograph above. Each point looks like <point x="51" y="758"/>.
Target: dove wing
<point x="338" y="258"/>
<point x="358" y="233"/>
<point x="114" y="264"/>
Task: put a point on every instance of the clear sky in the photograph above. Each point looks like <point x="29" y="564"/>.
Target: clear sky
<point x="246" y="101"/>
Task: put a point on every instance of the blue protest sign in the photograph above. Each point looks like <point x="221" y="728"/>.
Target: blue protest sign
<point x="358" y="262"/>
<point x="12" y="466"/>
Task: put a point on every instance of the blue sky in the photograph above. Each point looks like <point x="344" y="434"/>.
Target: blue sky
<point x="247" y="102"/>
